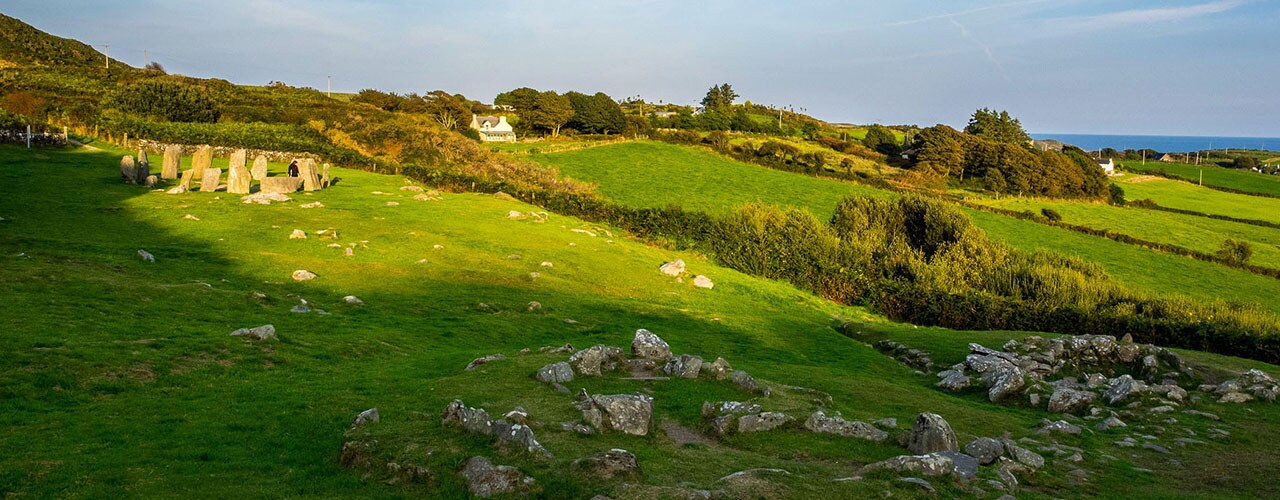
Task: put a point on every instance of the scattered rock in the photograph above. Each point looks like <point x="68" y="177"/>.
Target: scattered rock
<point x="366" y="417"/>
<point x="594" y="360"/>
<point x="918" y="482"/>
<point x="353" y="300"/>
<point x="931" y="433"/>
<point x="626" y="413"/>
<point x="931" y="464"/>
<point x="534" y="306"/>
<point x="746" y="381"/>
<point x="886" y="423"/>
<point x="567" y="348"/>
<point x="555" y="373"/>
<point x="717" y="370"/>
<point x="646" y="345"/>
<point x="761" y="422"/>
<point x="475" y="363"/>
<point x="1067" y="400"/>
<point x="298" y="234"/>
<point x="264" y="332"/>
<point x="821" y="423"/>
<point x="1061" y="427"/>
<point x="953" y="380"/>
<point x="517" y="437"/>
<point x="474" y="420"/>
<point x="303" y="275"/>
<point x="146" y="256"/>
<point x="485" y="479"/>
<point x="985" y="450"/>
<point x="701" y="281"/>
<point x="264" y="198"/>
<point x="314" y="204"/>
<point x="615" y="463"/>
<point x="685" y="366"/>
<point x="673" y="268"/>
<point x="547" y="264"/>
<point x="1110" y="423"/>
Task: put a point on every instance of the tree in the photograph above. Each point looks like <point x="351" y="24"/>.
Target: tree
<point x="1235" y="251"/>
<point x="598" y="114"/>
<point x="539" y="111"/>
<point x="996" y="126"/>
<point x="1245" y="162"/>
<point x="155" y="67"/>
<point x="881" y="139"/>
<point x="522" y="99"/>
<point x="940" y="150"/>
<point x="167" y="101"/>
<point x="449" y="111"/>
<point x="719" y="97"/>
<point x="382" y="100"/>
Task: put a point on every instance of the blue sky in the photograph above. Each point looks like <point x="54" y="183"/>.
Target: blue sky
<point x="1183" y="67"/>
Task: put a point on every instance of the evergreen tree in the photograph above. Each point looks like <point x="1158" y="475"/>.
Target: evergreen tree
<point x="996" y="126"/>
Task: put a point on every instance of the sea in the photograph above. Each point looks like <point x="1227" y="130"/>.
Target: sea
<point x="1163" y="143"/>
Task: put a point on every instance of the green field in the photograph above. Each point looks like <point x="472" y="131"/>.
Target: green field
<point x="1240" y="180"/>
<point x="1188" y="231"/>
<point x="652" y="174"/>
<point x="629" y="177"/>
<point x="120" y="378"/>
<point x="1187" y="196"/>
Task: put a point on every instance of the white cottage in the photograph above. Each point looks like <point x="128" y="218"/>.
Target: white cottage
<point x="493" y="128"/>
<point x="1108" y="166"/>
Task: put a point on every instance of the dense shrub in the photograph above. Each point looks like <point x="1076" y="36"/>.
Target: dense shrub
<point x="166" y="101"/>
<point x="1235" y="251"/>
<point x="1008" y="167"/>
<point x="1051" y="214"/>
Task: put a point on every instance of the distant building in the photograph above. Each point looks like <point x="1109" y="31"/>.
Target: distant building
<point x="1168" y="158"/>
<point x="1108" y="166"/>
<point x="663" y="114"/>
<point x="493" y="128"/>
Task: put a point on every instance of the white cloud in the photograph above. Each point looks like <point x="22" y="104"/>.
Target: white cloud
<point x="1134" y="17"/>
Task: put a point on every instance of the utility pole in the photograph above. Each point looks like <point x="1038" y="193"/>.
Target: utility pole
<point x="1202" y="177"/>
<point x="328" y="85"/>
<point x="1144" y="156"/>
<point x="144" y="59"/>
<point x="106" y="49"/>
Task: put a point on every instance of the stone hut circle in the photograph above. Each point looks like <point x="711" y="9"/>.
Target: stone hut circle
<point x="240" y="177"/>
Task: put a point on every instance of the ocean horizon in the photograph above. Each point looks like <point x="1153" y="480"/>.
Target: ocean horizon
<point x="1162" y="143"/>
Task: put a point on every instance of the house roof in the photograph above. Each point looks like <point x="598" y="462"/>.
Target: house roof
<point x="486" y="120"/>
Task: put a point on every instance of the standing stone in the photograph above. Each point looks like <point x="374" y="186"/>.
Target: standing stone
<point x="283" y="185"/>
<point x="143" y="169"/>
<point x="209" y="180"/>
<point x="172" y="162"/>
<point x="237" y="159"/>
<point x="202" y="159"/>
<point x="307" y="171"/>
<point x="325" y="180"/>
<point x="238" y="178"/>
<point x="931" y="433"/>
<point x="646" y="345"/>
<point x="128" y="171"/>
<point x="259" y="170"/>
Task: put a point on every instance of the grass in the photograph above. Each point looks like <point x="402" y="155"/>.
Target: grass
<point x="1240" y="180"/>
<point x="652" y="174"/>
<point x="120" y="379"/>
<point x="1188" y="196"/>
<point x="1188" y="231"/>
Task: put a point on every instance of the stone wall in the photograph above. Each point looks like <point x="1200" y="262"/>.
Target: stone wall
<point x="19" y="136"/>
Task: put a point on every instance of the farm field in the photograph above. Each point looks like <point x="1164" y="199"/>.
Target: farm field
<point x="653" y="174"/>
<point x="1188" y="231"/>
<point x="1249" y="182"/>
<point x="622" y="178"/>
<point x="1187" y="196"/>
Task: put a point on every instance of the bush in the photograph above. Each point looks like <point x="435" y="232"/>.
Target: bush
<point x="1235" y="251"/>
<point x="1051" y="214"/>
<point x="1117" y="195"/>
<point x="166" y="101"/>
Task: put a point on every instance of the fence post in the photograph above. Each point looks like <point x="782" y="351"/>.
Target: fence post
<point x="28" y="136"/>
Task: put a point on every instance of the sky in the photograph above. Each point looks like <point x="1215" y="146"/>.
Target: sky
<point x="1178" y="67"/>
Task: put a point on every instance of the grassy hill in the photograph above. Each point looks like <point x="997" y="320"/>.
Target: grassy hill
<point x="121" y="377"/>
<point x="1187" y="196"/>
<point x="635" y="174"/>
<point x="1215" y="176"/>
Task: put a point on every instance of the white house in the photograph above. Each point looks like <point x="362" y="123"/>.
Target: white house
<point x="1108" y="166"/>
<point x="493" y="128"/>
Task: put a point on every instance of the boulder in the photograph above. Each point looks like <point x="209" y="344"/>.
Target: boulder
<point x="517" y="437"/>
<point x="821" y="423"/>
<point x="264" y="332"/>
<point x="475" y="363"/>
<point x="353" y="300"/>
<point x="594" y="360"/>
<point x="761" y="422"/>
<point x="710" y="409"/>
<point x="263" y="198"/>
<point x="962" y="465"/>
<point x="298" y="234"/>
<point x="745" y="380"/>
<point x="701" y="281"/>
<point x="953" y="380"/>
<point x="1060" y="427"/>
<point x="474" y="420"/>
<point x="717" y="370"/>
<point x="146" y="256"/>
<point x="615" y="463"/>
<point x="555" y="373"/>
<point x="303" y="275"/>
<point x="626" y="413"/>
<point x="673" y="268"/>
<point x="366" y="417"/>
<point x="280" y="185"/>
<point x="1022" y="455"/>
<point x="1110" y="423"/>
<point x="985" y="450"/>
<point x="128" y="170"/>
<point x="1067" y="400"/>
<point x="684" y="366"/>
<point x="931" y="433"/>
<point x="1120" y="388"/>
<point x="931" y="464"/>
<point x="486" y="480"/>
<point x="646" y="345"/>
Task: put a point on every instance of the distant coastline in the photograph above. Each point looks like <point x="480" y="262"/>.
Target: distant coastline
<point x="1163" y="143"/>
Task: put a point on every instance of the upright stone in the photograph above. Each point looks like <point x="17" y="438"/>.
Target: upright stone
<point x="128" y="171"/>
<point x="931" y="433"/>
<point x="283" y="185"/>
<point x="324" y="181"/>
<point x="238" y="179"/>
<point x="259" y="170"/>
<point x="172" y="162"/>
<point x="185" y="183"/>
<point x="237" y="159"/>
<point x="209" y="180"/>
<point x="307" y="171"/>
<point x="202" y="159"/>
<point x="143" y="168"/>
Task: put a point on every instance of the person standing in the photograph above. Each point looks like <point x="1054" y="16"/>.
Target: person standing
<point x="293" y="168"/>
